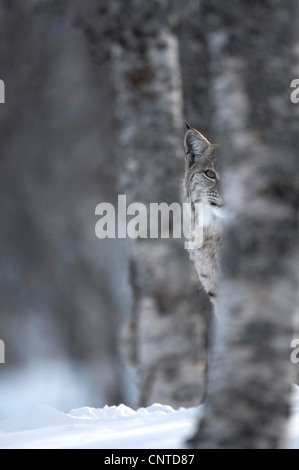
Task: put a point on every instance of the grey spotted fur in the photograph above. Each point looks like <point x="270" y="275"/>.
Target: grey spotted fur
<point x="201" y="156"/>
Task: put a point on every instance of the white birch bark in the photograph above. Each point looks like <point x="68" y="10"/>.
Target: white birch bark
<point x="252" y="48"/>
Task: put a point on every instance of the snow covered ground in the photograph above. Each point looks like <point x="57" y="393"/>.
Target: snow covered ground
<point x="120" y="427"/>
<point x="155" y="427"/>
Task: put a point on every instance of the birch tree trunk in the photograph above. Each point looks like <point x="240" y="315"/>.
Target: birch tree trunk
<point x="194" y="63"/>
<point x="167" y="328"/>
<point x="254" y="52"/>
<point x="54" y="276"/>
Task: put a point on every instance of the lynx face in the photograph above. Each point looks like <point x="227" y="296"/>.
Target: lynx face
<point x="202" y="180"/>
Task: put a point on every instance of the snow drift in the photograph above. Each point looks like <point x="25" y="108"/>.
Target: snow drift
<point x="116" y="427"/>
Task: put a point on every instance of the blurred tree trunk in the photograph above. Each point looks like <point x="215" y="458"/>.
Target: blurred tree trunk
<point x="56" y="301"/>
<point x="166" y="330"/>
<point x="252" y="47"/>
<point x="194" y="62"/>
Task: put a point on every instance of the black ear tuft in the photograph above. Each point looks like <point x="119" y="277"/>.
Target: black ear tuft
<point x="187" y="125"/>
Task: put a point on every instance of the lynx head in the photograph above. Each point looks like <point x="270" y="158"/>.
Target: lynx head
<point x="201" y="183"/>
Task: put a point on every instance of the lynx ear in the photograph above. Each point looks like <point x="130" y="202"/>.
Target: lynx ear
<point x="195" y="143"/>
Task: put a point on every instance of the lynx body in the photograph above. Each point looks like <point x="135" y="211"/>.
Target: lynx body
<point x="202" y="185"/>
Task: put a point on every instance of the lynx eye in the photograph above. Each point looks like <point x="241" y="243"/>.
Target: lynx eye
<point x="211" y="174"/>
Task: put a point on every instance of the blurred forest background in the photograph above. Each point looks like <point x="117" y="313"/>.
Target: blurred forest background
<point x="96" y="95"/>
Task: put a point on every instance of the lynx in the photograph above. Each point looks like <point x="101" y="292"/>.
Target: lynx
<point x="202" y="185"/>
